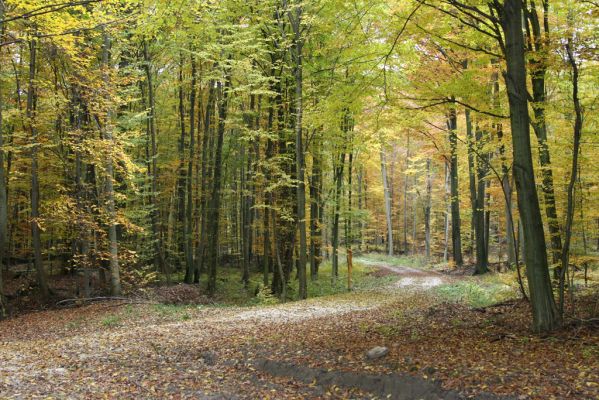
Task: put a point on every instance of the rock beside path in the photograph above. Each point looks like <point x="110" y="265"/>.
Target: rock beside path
<point x="377" y="352"/>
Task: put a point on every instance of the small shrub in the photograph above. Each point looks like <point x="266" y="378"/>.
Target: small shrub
<point x="264" y="295"/>
<point x="476" y="293"/>
<point x="111" y="321"/>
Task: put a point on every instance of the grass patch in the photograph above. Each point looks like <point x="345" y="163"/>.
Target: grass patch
<point x="415" y="261"/>
<point x="230" y="290"/>
<point x="173" y="312"/>
<point x="362" y="280"/>
<point x="111" y="321"/>
<point x="480" y="291"/>
<point x="74" y="324"/>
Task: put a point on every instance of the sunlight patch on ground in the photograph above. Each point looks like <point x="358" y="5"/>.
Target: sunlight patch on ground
<point x="298" y="313"/>
<point x="420" y="282"/>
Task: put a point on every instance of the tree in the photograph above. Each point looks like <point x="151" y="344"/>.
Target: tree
<point x="295" y="18"/>
<point x="456" y="239"/>
<point x="3" y="189"/>
<point x="545" y="316"/>
<point x="105" y="127"/>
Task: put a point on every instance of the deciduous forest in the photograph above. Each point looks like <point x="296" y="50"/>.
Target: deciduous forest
<point x="299" y="199"/>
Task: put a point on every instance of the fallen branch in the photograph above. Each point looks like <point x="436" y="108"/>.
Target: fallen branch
<point x="75" y="301"/>
<point x="503" y="303"/>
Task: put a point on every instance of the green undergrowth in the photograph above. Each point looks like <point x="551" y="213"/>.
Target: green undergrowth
<point x="172" y="311"/>
<point x="362" y="279"/>
<point x="413" y="261"/>
<point x="480" y="291"/>
<point x="232" y="292"/>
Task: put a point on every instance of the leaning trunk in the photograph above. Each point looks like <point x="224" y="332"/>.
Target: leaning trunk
<point x="565" y="258"/>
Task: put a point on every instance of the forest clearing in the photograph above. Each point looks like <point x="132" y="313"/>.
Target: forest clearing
<point x="299" y="199"/>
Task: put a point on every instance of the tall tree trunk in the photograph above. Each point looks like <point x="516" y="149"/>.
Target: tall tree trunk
<point x="348" y="219"/>
<point x="268" y="261"/>
<point x="415" y="243"/>
<point x="246" y="199"/>
<point x="115" y="280"/>
<point x="3" y="189"/>
<point x="456" y="239"/>
<point x="362" y="223"/>
<point x="471" y="178"/>
<point x="387" y="199"/>
<point x="447" y="213"/>
<point x="509" y="226"/>
<point x="181" y="180"/>
<point x="315" y="192"/>
<point x="578" y="110"/>
<point x="538" y="71"/>
<point x="158" y="258"/>
<point x="35" y="186"/>
<point x="206" y="143"/>
<point x="482" y="221"/>
<point x="427" y="209"/>
<point x="214" y="208"/>
<point x="545" y="315"/>
<point x="337" y="209"/>
<point x="189" y="261"/>
<point x="405" y="197"/>
<point x="479" y="206"/>
<point x="295" y="17"/>
<point x="506" y="186"/>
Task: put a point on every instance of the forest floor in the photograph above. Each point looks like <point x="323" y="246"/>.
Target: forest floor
<point x="444" y="341"/>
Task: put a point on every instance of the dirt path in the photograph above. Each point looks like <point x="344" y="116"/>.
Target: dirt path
<point x="302" y="350"/>
<point x="410" y="277"/>
<point x="45" y="354"/>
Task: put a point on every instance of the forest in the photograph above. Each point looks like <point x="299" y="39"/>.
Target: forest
<point x="430" y="157"/>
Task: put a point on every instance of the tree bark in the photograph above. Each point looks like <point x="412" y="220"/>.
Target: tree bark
<point x="3" y="189"/>
<point x="337" y="208"/>
<point x="538" y="72"/>
<point x="578" y="110"/>
<point x="214" y="208"/>
<point x="447" y="213"/>
<point x="315" y="192"/>
<point x="295" y="17"/>
<point x="158" y="258"/>
<point x="35" y="186"/>
<point x="405" y="197"/>
<point x="545" y="315"/>
<point x="427" y="210"/>
<point x="387" y="199"/>
<point x="179" y="233"/>
<point x="115" y="280"/>
<point x="456" y="239"/>
<point x="477" y="165"/>
<point x="189" y="260"/>
<point x="206" y="140"/>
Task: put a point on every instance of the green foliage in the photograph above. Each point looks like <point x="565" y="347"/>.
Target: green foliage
<point x="111" y="321"/>
<point x="476" y="292"/>
<point x="134" y="277"/>
<point x="414" y="261"/>
<point x="74" y="324"/>
<point x="173" y="312"/>
<point x="264" y="295"/>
